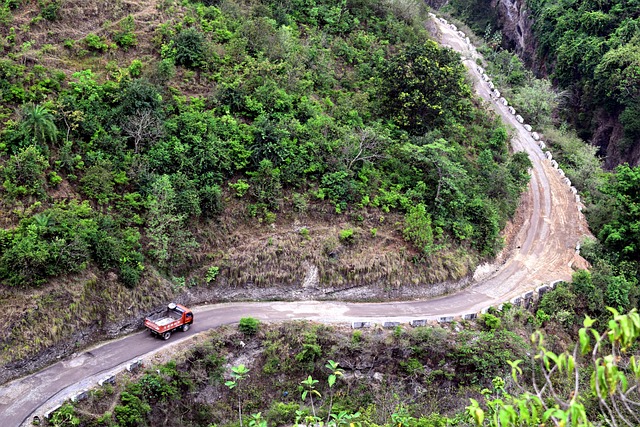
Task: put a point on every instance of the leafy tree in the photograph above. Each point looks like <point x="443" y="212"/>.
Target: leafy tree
<point x="536" y="101"/>
<point x="189" y="48"/>
<point x="449" y="177"/>
<point x="98" y="182"/>
<point x="266" y="186"/>
<point x="139" y="96"/>
<point x="187" y="197"/>
<point x="425" y="88"/>
<point x="169" y="239"/>
<point x="337" y="187"/>
<point x="204" y="147"/>
<point x="211" y="203"/>
<point x="418" y="228"/>
<point x="621" y="234"/>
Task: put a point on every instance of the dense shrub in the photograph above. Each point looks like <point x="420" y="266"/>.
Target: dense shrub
<point x="345" y="103"/>
<point x="249" y="326"/>
<point x="49" y="9"/>
<point x="189" y="47"/>
<point x="24" y="173"/>
<point x="64" y="239"/>
<point x="126" y="37"/>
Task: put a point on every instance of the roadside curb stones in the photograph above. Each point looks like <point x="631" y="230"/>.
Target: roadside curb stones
<point x="111" y="379"/>
<point x="360" y="325"/>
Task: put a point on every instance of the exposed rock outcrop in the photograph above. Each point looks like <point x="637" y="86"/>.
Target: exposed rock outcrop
<point x="600" y="127"/>
<point x="607" y="136"/>
<point x="516" y="23"/>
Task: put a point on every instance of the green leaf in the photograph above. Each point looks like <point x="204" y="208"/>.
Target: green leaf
<point x="331" y="380"/>
<point x="571" y="364"/>
<point x="585" y="342"/>
<point x="524" y="411"/>
<point x="478" y="416"/>
<point x="506" y="416"/>
<point x="550" y="355"/>
<point x="588" y="321"/>
<point x="515" y="369"/>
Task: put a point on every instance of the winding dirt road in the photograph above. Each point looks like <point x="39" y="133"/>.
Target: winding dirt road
<point x="543" y="250"/>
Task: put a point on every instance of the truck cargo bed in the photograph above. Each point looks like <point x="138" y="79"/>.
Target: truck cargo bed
<point x="163" y="323"/>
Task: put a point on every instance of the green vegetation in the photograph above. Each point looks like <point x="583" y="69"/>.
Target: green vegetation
<point x="593" y="49"/>
<point x="65" y="238"/>
<point x="589" y="50"/>
<point x="251" y="116"/>
<point x="609" y="197"/>
<point x="249" y="325"/>
<point x="298" y="110"/>
<point x="429" y="376"/>
<point x="288" y="381"/>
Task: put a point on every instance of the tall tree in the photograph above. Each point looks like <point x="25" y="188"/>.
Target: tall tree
<point x="425" y="87"/>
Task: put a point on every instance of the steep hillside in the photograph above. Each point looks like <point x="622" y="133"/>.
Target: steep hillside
<point x="303" y="374"/>
<point x="207" y="151"/>
<point x="427" y="372"/>
<point x="589" y="50"/>
<point x="610" y="197"/>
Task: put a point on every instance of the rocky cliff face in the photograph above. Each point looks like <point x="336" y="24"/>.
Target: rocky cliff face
<point x="516" y="23"/>
<point x="600" y="127"/>
<point x="608" y="135"/>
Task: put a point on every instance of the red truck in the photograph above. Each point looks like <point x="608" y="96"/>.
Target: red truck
<point x="175" y="317"/>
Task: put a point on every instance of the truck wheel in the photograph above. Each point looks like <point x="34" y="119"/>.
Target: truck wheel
<point x="166" y="335"/>
<point x="185" y="327"/>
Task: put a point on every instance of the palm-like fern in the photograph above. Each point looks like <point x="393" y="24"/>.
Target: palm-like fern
<point x="38" y="122"/>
